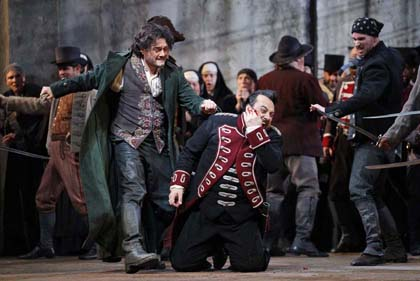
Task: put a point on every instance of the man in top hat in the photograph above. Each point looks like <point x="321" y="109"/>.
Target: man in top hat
<point x="66" y="123"/>
<point x="328" y="83"/>
<point x="296" y="90"/>
<point x="377" y="91"/>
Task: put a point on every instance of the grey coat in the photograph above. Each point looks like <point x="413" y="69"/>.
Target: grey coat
<point x="80" y="111"/>
<point x="404" y="125"/>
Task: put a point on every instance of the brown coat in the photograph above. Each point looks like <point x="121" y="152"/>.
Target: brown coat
<point x="296" y="91"/>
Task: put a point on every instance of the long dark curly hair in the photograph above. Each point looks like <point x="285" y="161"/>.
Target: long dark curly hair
<point x="148" y="34"/>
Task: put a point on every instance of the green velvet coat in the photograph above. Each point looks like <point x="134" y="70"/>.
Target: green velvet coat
<point x="95" y="151"/>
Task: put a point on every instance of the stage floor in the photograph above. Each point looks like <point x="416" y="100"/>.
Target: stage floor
<point x="288" y="268"/>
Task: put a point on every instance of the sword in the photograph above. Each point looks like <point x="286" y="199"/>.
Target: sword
<point x="407" y="113"/>
<point x="358" y="129"/>
<point x="24" y="153"/>
<point x="394" y="165"/>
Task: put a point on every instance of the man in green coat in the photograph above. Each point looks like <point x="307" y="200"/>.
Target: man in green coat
<point x="138" y="94"/>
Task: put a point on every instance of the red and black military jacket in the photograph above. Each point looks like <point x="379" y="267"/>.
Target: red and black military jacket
<point x="219" y="143"/>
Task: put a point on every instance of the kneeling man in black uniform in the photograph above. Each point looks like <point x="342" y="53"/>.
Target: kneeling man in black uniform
<point x="224" y="200"/>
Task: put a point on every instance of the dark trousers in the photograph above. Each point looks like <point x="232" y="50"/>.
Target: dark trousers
<point x="200" y="237"/>
<point x="144" y="174"/>
<point x="413" y="204"/>
<point x="346" y="214"/>
<point x="363" y="188"/>
<point x="20" y="221"/>
<point x="341" y="170"/>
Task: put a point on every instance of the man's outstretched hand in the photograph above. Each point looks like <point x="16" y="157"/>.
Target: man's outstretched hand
<point x="208" y="107"/>
<point x="384" y="144"/>
<point x="46" y="93"/>
<point x="317" y="107"/>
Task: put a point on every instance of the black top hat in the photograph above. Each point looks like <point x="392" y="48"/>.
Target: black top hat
<point x="332" y="63"/>
<point x="289" y="49"/>
<point x="165" y="21"/>
<point x="67" y="55"/>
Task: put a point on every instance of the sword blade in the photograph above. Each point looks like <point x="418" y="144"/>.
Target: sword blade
<point x="358" y="129"/>
<point x="407" y="113"/>
<point x="24" y="153"/>
<point x="393" y="165"/>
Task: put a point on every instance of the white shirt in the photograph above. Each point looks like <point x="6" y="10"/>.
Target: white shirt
<point x="153" y="80"/>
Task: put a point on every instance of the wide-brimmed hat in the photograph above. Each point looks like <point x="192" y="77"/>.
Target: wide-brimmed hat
<point x="289" y="49"/>
<point x="67" y="55"/>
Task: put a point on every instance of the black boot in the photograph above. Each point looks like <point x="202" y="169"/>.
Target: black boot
<point x="276" y="224"/>
<point x="373" y="253"/>
<point x="88" y="250"/>
<point x="107" y="256"/>
<point x="351" y="236"/>
<point x="136" y="258"/>
<point x="45" y="247"/>
<point x="305" y="218"/>
<point x="395" y="250"/>
<point x="367" y="260"/>
<point x="413" y="220"/>
<point x="413" y="209"/>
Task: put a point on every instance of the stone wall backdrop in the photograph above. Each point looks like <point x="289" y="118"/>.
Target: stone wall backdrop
<point x="335" y="17"/>
<point x="234" y="33"/>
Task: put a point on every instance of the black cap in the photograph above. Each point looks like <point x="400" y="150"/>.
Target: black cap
<point x="368" y="26"/>
<point x="251" y="73"/>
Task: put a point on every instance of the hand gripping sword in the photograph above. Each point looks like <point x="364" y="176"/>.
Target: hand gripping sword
<point x="396" y="164"/>
<point x="371" y="136"/>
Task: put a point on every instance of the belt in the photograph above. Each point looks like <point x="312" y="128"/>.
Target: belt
<point x="58" y="137"/>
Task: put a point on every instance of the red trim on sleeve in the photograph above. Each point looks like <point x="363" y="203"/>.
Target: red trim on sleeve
<point x="257" y="137"/>
<point x="180" y="177"/>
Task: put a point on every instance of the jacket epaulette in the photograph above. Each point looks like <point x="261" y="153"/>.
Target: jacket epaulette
<point x="277" y="130"/>
<point x="226" y="114"/>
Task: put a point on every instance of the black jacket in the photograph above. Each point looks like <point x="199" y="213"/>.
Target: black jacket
<point x="204" y="150"/>
<point x="377" y="92"/>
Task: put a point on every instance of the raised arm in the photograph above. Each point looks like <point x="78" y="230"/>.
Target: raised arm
<point x="26" y="105"/>
<point x="82" y="83"/>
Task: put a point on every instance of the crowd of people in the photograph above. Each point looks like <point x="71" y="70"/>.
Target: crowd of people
<point x="165" y="163"/>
